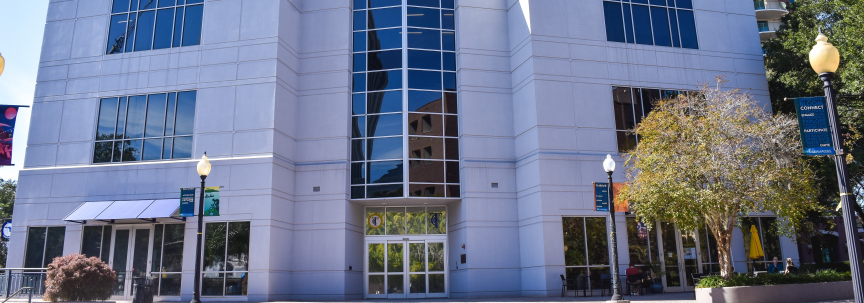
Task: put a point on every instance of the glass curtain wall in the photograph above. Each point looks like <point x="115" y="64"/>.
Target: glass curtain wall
<point x="404" y="123"/>
<point x="586" y="248"/>
<point x="140" y="25"/>
<point x="769" y="238"/>
<point x="651" y="22"/>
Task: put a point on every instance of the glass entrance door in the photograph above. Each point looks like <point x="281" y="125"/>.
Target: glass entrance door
<point x="680" y="257"/>
<point x="400" y="269"/>
<point x="130" y="256"/>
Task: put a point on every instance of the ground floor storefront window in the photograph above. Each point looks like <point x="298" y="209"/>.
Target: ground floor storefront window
<point x="586" y="249"/>
<point x="768" y="237"/>
<point x="226" y="259"/>
<point x="43" y="245"/>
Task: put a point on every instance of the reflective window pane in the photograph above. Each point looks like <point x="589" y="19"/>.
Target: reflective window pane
<point x="169" y="284"/>
<point x="426" y="171"/>
<point x="574" y="241"/>
<point x="102" y="152"/>
<point x="358" y="83"/>
<point x="358" y="173"/>
<point x="166" y="3"/>
<point x="376" y="284"/>
<point x="424" y="17"/>
<point x="182" y="148"/>
<point x="172" y="254"/>
<point x="395" y="222"/>
<point x="385" y="39"/>
<point x="426" y="124"/>
<point x="424" y="38"/>
<point x="384" y="191"/>
<point x="384" y="125"/>
<point x="384" y="18"/>
<point x="420" y="79"/>
<point x="164" y="28"/>
<point x="660" y="24"/>
<point x="167" y="147"/>
<point x="178" y="27"/>
<point x="379" y="263"/>
<point x="383" y="3"/>
<point x="359" y="41"/>
<point x="642" y="24"/>
<point x="448" y="4"/>
<point x="623" y="104"/>
<point x="359" y="62"/>
<point x="358" y="127"/>
<point x="596" y="237"/>
<point x="237" y="258"/>
<point x="424" y="101"/>
<point x="91" y="242"/>
<point x="156" y="115"/>
<point x="673" y="24"/>
<point x="426" y="190"/>
<point x="429" y="3"/>
<point x="359" y="20"/>
<point x="358" y="104"/>
<point x="156" y="252"/>
<point x="135" y="117"/>
<point x="107" y="119"/>
<point x="688" y="29"/>
<point x="185" y="120"/>
<point x="385" y="148"/>
<point x="417" y="282"/>
<point x="384" y="80"/>
<point x="424" y="59"/>
<point x="144" y="31"/>
<point x="54" y="244"/>
<point x="385" y="102"/>
<point x="385" y="172"/>
<point x="426" y="148"/>
<point x="376" y="255"/>
<point x="130" y="32"/>
<point x="447" y="17"/>
<point x="448" y="40"/>
<point x="152" y="149"/>
<point x="358" y="192"/>
<point x="384" y="60"/>
<point x="120" y="6"/>
<point x="451" y="126"/>
<point x="214" y="246"/>
<point x="450" y="81"/>
<point x="117" y="33"/>
<point x="685" y="4"/>
<point x="35" y="251"/>
<point x="121" y="118"/>
<point x="359" y="4"/>
<point x="452" y="149"/>
<point x="358" y="151"/>
<point x="117" y="154"/>
<point x="614" y="21"/>
<point x="169" y="116"/>
<point x="416" y="218"/>
<point x="132" y="150"/>
<point x="449" y="61"/>
<point x="212" y="284"/>
<point x="437" y="225"/>
<point x="192" y="25"/>
<point x="452" y="172"/>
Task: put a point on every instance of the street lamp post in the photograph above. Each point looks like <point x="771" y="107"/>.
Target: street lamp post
<point x="609" y="167"/>
<point x="825" y="59"/>
<point x="203" y="171"/>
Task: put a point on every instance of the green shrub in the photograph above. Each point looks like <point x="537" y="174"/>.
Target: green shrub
<point x="828" y="275"/>
<point x="78" y="278"/>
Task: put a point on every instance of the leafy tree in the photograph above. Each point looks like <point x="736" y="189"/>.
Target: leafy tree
<point x="714" y="156"/>
<point x="790" y="75"/>
<point x="7" y="203"/>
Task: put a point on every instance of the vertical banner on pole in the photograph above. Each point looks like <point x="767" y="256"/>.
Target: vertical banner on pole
<point x="813" y="125"/>
<point x="7" y="131"/>
<point x="211" y="201"/>
<point x="601" y="196"/>
<point x="621" y="206"/>
<point x="187" y="202"/>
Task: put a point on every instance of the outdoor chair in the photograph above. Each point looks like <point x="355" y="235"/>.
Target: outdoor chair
<point x="636" y="280"/>
<point x="603" y="282"/>
<point x="567" y="284"/>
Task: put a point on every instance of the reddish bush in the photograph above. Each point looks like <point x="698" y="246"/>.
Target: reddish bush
<point x="78" y="278"/>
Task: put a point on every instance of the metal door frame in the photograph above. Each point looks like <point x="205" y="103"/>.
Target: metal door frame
<point x="405" y="240"/>
<point x="130" y="254"/>
<point x="679" y="248"/>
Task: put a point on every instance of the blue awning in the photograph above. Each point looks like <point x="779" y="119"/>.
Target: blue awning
<point x="111" y="211"/>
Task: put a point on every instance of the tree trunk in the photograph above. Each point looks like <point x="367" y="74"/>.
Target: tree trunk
<point x="724" y="250"/>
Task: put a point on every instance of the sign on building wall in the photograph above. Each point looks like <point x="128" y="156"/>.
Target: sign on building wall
<point x="620" y="206"/>
<point x="601" y="196"/>
<point x="374" y="221"/>
<point x="187" y="202"/>
<point x="211" y="201"/>
<point x="7" y="131"/>
<point x="814" y="127"/>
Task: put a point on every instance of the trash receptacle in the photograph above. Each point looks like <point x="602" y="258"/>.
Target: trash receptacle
<point x="143" y="290"/>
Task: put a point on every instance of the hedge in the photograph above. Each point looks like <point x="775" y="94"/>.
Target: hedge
<point x="774" y="279"/>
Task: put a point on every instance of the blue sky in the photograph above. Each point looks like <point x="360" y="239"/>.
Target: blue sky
<point x="21" y="27"/>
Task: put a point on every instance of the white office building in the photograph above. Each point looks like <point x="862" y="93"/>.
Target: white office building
<point x="365" y="148"/>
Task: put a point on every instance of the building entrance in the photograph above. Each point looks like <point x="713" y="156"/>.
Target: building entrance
<point x="680" y="257"/>
<point x="130" y="256"/>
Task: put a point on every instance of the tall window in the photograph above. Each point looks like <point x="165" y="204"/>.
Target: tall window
<point x="631" y="105"/>
<point x="708" y="246"/>
<point x="769" y="238"/>
<point x="97" y="242"/>
<point x="642" y="242"/>
<point x="167" y="258"/>
<point x="43" y="245"/>
<point x="586" y="247"/>
<point x="139" y="25"/>
<point x="651" y="22"/>
<point x="145" y="127"/>
<point x="421" y="220"/>
<point x="404" y="76"/>
<point x="226" y="259"/>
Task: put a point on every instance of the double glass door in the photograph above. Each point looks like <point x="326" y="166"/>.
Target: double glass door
<point x="399" y="269"/>
<point x="680" y="257"/>
<point x="130" y="256"/>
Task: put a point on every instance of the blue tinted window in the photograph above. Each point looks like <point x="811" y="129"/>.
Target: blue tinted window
<point x="359" y="62"/>
<point x="642" y="25"/>
<point x="384" y="191"/>
<point x="449" y="61"/>
<point x="384" y="148"/>
<point x="164" y="27"/>
<point x="385" y="102"/>
<point x="385" y="39"/>
<point x="185" y="113"/>
<point x="658" y="2"/>
<point x="358" y="127"/>
<point x="424" y="80"/>
<point x="450" y="81"/>
<point x="117" y="34"/>
<point x="685" y="4"/>
<point x="359" y="41"/>
<point x="424" y="38"/>
<point x="144" y="31"/>
<point x="131" y="150"/>
<point x="193" y="1"/>
<point x="359" y="20"/>
<point x="447" y="4"/>
<point x="384" y="80"/>
<point x="424" y="101"/>
<point x="384" y="125"/>
<point x="182" y="147"/>
<point x="640" y="1"/>
<point x="660" y="21"/>
<point x="358" y="150"/>
<point x="107" y="119"/>
<point x="156" y="115"/>
<point x="121" y="118"/>
<point x="358" y="104"/>
<point x="166" y="3"/>
<point x="688" y="29"/>
<point x="385" y="172"/>
<point x="170" y="116"/>
<point x="135" y="117"/>
<point x="358" y="82"/>
<point x="192" y="25"/>
<point x="130" y="32"/>
<point x="358" y="192"/>
<point x="359" y="4"/>
<point x="429" y="3"/>
<point x="673" y="23"/>
<point x="383" y="3"/>
<point x="178" y="27"/>
<point x="424" y="59"/>
<point x="424" y="17"/>
<point x="383" y="18"/>
<point x="448" y="41"/>
<point x="447" y="18"/>
<point x="146" y="4"/>
<point x="628" y="23"/>
<point x="120" y="6"/>
<point x="385" y="60"/>
<point x="358" y="173"/>
<point x="614" y="22"/>
<point x="152" y="149"/>
<point x="167" y="147"/>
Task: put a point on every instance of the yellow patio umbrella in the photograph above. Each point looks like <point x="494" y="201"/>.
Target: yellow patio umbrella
<point x="755" y="245"/>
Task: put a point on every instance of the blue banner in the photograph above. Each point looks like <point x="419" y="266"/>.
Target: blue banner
<point x="814" y="127"/>
<point x="187" y="202"/>
<point x="601" y="196"/>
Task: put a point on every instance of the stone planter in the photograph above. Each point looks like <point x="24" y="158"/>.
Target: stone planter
<point x="777" y="293"/>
